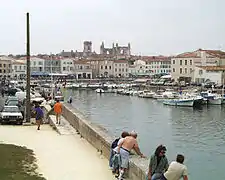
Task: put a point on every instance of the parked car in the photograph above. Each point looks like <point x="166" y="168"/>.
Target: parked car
<point x="13" y="101"/>
<point x="11" y="114"/>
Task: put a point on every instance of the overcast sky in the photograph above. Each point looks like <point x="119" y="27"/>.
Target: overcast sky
<point x="151" y="26"/>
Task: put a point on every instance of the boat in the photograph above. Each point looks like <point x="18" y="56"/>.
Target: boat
<point x="59" y="96"/>
<point x="75" y="85"/>
<point x="146" y="94"/>
<point x="198" y="100"/>
<point x="99" y="90"/>
<point x="69" y="85"/>
<point x="212" y="98"/>
<point x="187" y="102"/>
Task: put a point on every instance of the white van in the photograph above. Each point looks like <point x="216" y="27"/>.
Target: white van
<point x="22" y="95"/>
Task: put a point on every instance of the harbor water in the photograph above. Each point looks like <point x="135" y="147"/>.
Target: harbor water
<point x="199" y="134"/>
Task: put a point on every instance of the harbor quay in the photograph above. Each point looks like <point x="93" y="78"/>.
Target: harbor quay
<point x="63" y="155"/>
<point x="101" y="139"/>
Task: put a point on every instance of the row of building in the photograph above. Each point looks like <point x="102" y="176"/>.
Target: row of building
<point x="197" y="66"/>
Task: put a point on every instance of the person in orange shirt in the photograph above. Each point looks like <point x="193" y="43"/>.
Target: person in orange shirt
<point x="58" y="111"/>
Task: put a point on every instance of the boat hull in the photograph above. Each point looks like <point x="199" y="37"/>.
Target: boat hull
<point x="215" y="101"/>
<point x="186" y="103"/>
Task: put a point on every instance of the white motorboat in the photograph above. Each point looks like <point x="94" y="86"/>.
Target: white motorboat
<point x="188" y="102"/>
<point x="99" y="90"/>
<point x="146" y="94"/>
<point x="69" y="85"/>
<point x="212" y="98"/>
<point x="75" y="85"/>
<point x="59" y="96"/>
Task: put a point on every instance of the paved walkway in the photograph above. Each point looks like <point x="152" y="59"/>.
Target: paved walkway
<point x="60" y="157"/>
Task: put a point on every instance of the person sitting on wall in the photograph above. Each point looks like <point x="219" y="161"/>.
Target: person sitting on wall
<point x="158" y="163"/>
<point x="176" y="170"/>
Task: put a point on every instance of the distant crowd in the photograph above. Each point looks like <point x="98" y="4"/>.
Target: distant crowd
<point x="159" y="167"/>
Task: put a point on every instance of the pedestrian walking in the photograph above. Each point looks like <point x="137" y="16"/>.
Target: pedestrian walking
<point x="39" y="115"/>
<point x="58" y="111"/>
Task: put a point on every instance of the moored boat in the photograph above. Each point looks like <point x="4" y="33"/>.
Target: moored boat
<point x="99" y="90"/>
<point x="187" y="102"/>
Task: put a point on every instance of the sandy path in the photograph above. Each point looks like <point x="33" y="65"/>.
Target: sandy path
<point x="60" y="157"/>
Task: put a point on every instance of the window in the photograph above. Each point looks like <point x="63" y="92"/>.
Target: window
<point x="119" y="69"/>
<point x="0" y="71"/>
<point x="101" y="67"/>
<point x="181" y="62"/>
<point x="200" y="72"/>
<point x="190" y="70"/>
<point x="180" y="70"/>
<point x="185" y="62"/>
<point x="122" y="69"/>
<point x="173" y="69"/>
<point x="0" y="65"/>
<point x="110" y="67"/>
<point x="4" y="65"/>
<point x="105" y="67"/>
<point x="64" y="68"/>
<point x="40" y="63"/>
<point x="20" y="67"/>
<point x="126" y="69"/>
<point x="115" y="69"/>
<point x="185" y="70"/>
<point x="15" y="67"/>
<point x="190" y="62"/>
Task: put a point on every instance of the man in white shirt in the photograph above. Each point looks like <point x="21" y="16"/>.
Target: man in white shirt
<point x="176" y="170"/>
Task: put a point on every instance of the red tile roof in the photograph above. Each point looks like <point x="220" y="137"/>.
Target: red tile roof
<point x="81" y="62"/>
<point x="188" y="55"/>
<point x="155" y="58"/>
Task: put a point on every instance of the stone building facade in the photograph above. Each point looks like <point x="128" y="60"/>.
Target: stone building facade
<point x="116" y="50"/>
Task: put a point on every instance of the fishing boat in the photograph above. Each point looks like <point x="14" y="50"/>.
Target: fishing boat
<point x="212" y="98"/>
<point x="187" y="102"/>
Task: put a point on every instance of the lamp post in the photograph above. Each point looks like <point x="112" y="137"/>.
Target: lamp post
<point x="28" y="109"/>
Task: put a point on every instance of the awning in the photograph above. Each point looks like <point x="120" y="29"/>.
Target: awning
<point x="57" y="74"/>
<point x="39" y="73"/>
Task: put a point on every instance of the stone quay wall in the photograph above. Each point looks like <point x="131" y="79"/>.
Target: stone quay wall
<point x="99" y="137"/>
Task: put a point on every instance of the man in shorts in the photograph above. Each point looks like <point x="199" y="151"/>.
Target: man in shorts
<point x="58" y="111"/>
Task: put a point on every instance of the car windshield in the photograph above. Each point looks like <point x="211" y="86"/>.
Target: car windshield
<point x="12" y="103"/>
<point x="10" y="109"/>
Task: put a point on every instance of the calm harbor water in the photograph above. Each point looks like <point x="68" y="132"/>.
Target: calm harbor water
<point x="197" y="133"/>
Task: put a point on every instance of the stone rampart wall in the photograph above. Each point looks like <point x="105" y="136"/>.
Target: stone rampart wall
<point x="98" y="137"/>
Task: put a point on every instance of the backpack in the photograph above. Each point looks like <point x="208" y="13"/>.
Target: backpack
<point x="115" y="142"/>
